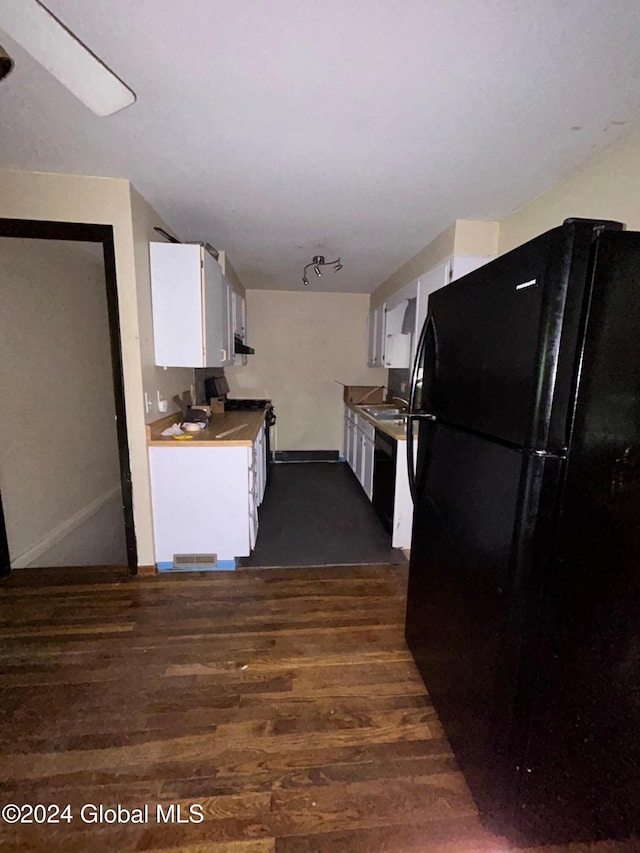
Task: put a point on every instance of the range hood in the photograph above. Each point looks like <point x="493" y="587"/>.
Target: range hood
<point x="239" y="346"/>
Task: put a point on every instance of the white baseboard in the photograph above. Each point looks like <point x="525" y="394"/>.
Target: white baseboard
<point x="63" y="529"/>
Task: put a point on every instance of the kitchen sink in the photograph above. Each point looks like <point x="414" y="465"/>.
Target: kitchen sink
<point x="399" y="416"/>
<point x="384" y="413"/>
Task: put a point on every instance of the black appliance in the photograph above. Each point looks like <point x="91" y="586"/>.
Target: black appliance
<point x="218" y="387"/>
<point x="384" y="478"/>
<point x="523" y="611"/>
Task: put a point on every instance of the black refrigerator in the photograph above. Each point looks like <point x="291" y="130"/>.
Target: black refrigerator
<point x="523" y="605"/>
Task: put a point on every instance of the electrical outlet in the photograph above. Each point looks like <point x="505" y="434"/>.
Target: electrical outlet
<point x="403" y="387"/>
<point x="148" y="403"/>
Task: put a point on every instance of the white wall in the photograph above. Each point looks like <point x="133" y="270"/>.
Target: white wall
<point x="303" y="342"/>
<point x="608" y="187"/>
<point x="59" y="451"/>
<point x="75" y="198"/>
<point x="463" y="237"/>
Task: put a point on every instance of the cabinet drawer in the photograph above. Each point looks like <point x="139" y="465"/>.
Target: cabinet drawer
<point x="368" y="429"/>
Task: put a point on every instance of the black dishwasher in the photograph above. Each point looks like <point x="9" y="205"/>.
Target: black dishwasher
<point x="384" y="478"/>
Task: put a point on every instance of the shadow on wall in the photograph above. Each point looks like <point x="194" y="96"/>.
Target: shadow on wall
<point x="60" y="471"/>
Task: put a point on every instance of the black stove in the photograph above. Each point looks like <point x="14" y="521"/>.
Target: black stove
<point x="246" y="405"/>
<point x="217" y="386"/>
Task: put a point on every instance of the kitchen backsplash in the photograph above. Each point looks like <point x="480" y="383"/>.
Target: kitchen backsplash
<point x="202" y="373"/>
<point x="398" y="383"/>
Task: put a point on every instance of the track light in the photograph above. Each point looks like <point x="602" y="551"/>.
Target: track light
<point x="6" y="63"/>
<point x="318" y="261"/>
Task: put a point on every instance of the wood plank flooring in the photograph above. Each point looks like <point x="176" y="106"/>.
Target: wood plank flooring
<point x="284" y="704"/>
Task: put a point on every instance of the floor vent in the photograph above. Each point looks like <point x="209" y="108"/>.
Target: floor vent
<point x="183" y="561"/>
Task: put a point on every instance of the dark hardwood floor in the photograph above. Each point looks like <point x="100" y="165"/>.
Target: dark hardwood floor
<point x="284" y="703"/>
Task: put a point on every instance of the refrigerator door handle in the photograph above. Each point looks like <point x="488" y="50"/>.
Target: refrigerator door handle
<point x="411" y="468"/>
<point x="422" y="341"/>
<point x="413" y="416"/>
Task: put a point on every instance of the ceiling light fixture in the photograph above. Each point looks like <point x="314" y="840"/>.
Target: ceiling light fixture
<point x="64" y="56"/>
<point x="6" y="63"/>
<point x="318" y="261"/>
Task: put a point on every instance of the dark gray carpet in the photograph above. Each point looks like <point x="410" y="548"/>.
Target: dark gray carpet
<point x="315" y="514"/>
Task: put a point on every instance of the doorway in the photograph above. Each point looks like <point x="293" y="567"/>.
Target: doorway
<point x="102" y="491"/>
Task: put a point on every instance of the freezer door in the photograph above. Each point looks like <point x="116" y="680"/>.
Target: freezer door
<point x="478" y="532"/>
<point x="498" y="348"/>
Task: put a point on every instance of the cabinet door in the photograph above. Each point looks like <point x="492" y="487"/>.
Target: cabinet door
<point x="215" y="309"/>
<point x="375" y="346"/>
<point x="261" y="465"/>
<point x="397" y="351"/>
<point x="372" y="349"/>
<point x="427" y="283"/>
<point x="217" y="318"/>
<point x="254" y="491"/>
<point x="462" y="264"/>
<point x="403" y="503"/>
<point x="176" y="300"/>
<point x="345" y="444"/>
<point x="381" y="330"/>
<point x="239" y="313"/>
<point x="367" y="465"/>
<point x="253" y="519"/>
<point x="353" y="433"/>
<point x="359" y="454"/>
<point x="228" y="332"/>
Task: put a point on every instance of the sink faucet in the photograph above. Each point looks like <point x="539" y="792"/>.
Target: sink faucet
<point x="402" y="400"/>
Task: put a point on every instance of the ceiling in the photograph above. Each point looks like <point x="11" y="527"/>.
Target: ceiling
<point x="281" y="129"/>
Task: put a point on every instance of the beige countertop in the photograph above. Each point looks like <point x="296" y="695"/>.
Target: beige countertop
<point x="391" y="428"/>
<point x="244" y="437"/>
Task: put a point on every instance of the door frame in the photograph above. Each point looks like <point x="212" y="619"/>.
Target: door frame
<point x="88" y="233"/>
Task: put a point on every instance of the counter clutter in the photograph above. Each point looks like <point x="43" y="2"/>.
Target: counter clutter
<point x="229" y="429"/>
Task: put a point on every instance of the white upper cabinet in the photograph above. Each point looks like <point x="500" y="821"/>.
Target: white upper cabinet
<point x="239" y="323"/>
<point x="454" y="267"/>
<point x="397" y="339"/>
<point x="192" y="307"/>
<point x="375" y="346"/>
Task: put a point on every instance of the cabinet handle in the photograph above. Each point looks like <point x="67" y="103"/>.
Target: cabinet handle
<point x="223" y="353"/>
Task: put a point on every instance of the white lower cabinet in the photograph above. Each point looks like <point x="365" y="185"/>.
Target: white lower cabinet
<point x="367" y="465"/>
<point x="350" y="433"/>
<point x="359" y="438"/>
<point x="403" y="504"/>
<point x="365" y="437"/>
<point x="359" y="453"/>
<point x="205" y="502"/>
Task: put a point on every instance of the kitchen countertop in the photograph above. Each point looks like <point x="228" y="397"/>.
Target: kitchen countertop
<point x="207" y="437"/>
<point x="397" y="431"/>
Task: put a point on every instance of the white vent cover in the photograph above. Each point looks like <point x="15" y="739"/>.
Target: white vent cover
<point x="195" y="560"/>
